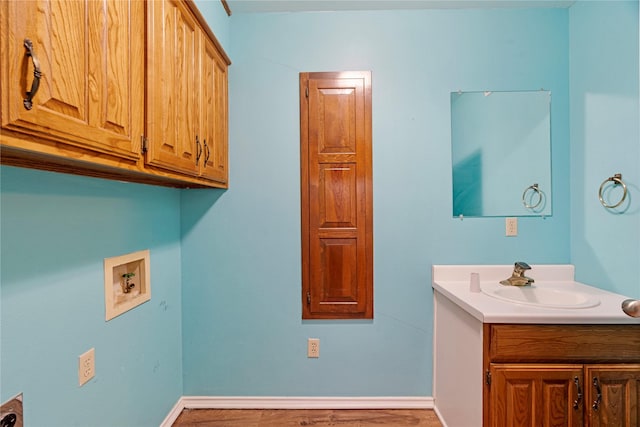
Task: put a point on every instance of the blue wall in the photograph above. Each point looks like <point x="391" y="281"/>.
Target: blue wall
<point x="232" y="258"/>
<point x="605" y="140"/>
<point x="56" y="231"/>
<point x="243" y="333"/>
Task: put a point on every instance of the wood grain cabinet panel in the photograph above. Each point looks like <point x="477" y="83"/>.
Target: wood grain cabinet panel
<point x="613" y="395"/>
<point x="527" y="395"/>
<point x="173" y="92"/>
<point x="561" y="375"/>
<point x="117" y="78"/>
<point x="337" y="235"/>
<point x="214" y="113"/>
<point x="91" y="60"/>
<point x="186" y="95"/>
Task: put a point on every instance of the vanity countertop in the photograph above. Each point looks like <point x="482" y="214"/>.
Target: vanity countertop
<point x="453" y="281"/>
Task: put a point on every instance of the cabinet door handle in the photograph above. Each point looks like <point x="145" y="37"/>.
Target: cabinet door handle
<point x="576" y="403"/>
<point x="27" y="102"/>
<point x="596" y="403"/>
<point x="198" y="150"/>
<point x="207" y="152"/>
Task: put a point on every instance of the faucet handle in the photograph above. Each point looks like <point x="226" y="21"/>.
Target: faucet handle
<point x="522" y="265"/>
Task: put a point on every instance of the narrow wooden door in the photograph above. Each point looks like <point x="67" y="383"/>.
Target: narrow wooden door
<point x="336" y="195"/>
<point x="536" y="395"/>
<point x="91" y="62"/>
<point x="613" y="395"/>
<point x="173" y="91"/>
<point x="213" y="164"/>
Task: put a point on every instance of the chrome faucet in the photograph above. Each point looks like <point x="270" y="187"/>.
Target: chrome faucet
<point x="517" y="277"/>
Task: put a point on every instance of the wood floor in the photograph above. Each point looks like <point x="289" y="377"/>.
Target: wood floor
<point x="306" y="417"/>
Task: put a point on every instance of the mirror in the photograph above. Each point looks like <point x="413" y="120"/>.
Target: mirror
<point x="501" y="153"/>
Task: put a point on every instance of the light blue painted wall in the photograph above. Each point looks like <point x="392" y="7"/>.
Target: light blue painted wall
<point x="56" y="231"/>
<point x="217" y="18"/>
<point x="605" y="140"/>
<point x="243" y="333"/>
<point x="240" y="253"/>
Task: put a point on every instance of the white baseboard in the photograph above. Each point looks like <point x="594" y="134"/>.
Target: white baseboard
<point x="270" y="402"/>
<point x="444" y="424"/>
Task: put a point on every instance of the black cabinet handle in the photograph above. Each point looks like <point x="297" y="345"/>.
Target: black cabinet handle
<point x="596" y="403"/>
<point x="207" y="152"/>
<point x="198" y="150"/>
<point x="576" y="403"/>
<point x="27" y="102"/>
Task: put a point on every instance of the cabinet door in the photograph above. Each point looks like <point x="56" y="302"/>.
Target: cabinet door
<point x="173" y="76"/>
<point x="91" y="60"/>
<point x="536" y="395"/>
<point x="214" y="113"/>
<point x="613" y="395"/>
<point x="337" y="206"/>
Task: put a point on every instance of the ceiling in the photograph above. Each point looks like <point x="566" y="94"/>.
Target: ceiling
<point x="266" y="6"/>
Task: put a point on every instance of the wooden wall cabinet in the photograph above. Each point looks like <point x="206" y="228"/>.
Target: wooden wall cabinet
<point x="562" y="375"/>
<point x="91" y="114"/>
<point x="187" y="93"/>
<point x="91" y="60"/>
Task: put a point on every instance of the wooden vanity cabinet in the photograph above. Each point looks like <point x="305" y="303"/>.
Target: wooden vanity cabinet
<point x="129" y="90"/>
<point x="561" y="375"/>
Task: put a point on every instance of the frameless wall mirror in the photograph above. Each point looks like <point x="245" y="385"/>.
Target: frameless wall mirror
<point x="501" y="153"/>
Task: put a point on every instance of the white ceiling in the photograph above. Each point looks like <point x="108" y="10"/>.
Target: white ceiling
<point x="265" y="6"/>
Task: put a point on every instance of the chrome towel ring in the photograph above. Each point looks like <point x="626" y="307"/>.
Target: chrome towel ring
<point x="617" y="180"/>
<point x="535" y="190"/>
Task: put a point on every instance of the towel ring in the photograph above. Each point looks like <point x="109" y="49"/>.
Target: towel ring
<point x="617" y="179"/>
<point x="535" y="189"/>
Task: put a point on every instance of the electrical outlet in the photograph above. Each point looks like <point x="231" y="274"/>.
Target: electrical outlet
<point x="313" y="347"/>
<point x="511" y="225"/>
<point x="86" y="366"/>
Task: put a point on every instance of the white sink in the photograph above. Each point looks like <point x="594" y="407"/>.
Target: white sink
<point x="541" y="296"/>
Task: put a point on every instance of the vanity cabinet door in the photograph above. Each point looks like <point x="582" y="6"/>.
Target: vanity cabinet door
<point x="536" y="395"/>
<point x="613" y="395"/>
<point x="79" y="84"/>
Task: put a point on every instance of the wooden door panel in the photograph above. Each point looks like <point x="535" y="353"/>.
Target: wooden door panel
<point x="90" y="54"/>
<point x="214" y="114"/>
<point x="532" y="396"/>
<point x="336" y="195"/>
<point x="613" y="395"/>
<point x="219" y="158"/>
<point x="172" y="73"/>
<point x="338" y="276"/>
<point x="62" y="58"/>
<point x="112" y="60"/>
<point x="337" y="117"/>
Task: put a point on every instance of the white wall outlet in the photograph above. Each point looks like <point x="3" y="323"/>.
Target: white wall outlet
<point x="86" y="366"/>
<point x="313" y="347"/>
<point x="511" y="225"/>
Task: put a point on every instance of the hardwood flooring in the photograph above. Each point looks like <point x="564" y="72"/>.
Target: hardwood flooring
<point x="306" y="417"/>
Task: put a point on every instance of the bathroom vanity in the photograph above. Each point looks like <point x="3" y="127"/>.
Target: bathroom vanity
<point x="558" y="353"/>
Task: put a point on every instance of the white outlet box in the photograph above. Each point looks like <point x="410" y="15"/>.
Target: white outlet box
<point x="313" y="347"/>
<point x="86" y="366"/>
<point x="511" y="226"/>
